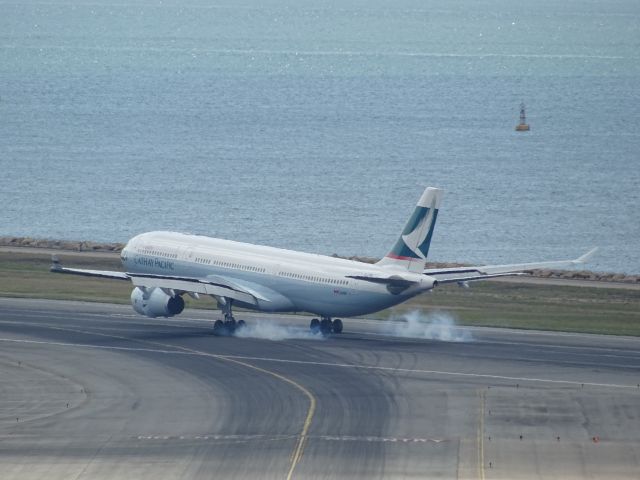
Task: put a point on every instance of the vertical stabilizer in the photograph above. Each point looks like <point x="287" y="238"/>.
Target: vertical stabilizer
<point x="411" y="249"/>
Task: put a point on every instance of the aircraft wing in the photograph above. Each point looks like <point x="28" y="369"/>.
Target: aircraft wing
<point x="465" y="274"/>
<point x="56" y="267"/>
<point x="216" y="286"/>
<point x="211" y="285"/>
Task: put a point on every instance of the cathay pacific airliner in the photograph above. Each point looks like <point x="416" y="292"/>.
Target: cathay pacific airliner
<point x="165" y="266"/>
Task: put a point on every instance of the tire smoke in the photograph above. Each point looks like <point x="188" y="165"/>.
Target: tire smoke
<point x="268" y="330"/>
<point x="429" y="326"/>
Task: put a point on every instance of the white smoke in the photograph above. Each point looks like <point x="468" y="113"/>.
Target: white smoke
<point x="432" y="326"/>
<point x="268" y="330"/>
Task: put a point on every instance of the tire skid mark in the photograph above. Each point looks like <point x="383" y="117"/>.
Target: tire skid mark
<point x="298" y="451"/>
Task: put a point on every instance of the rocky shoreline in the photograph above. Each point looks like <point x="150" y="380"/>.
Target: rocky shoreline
<point x="101" y="247"/>
<point x="76" y="246"/>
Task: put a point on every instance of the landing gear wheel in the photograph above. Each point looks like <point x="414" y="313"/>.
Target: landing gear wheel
<point x="230" y="325"/>
<point x="325" y="326"/>
<point x="241" y="324"/>
<point x="315" y="325"/>
<point x="336" y="326"/>
<point x="218" y="327"/>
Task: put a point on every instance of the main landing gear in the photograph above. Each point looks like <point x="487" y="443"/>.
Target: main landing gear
<point x="229" y="326"/>
<point x="325" y="325"/>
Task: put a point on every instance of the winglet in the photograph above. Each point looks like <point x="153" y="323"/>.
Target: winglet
<point x="587" y="256"/>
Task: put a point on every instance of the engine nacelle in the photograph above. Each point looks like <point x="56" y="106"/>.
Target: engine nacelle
<point x="156" y="303"/>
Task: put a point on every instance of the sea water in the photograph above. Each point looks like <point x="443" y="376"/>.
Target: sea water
<point x="316" y="125"/>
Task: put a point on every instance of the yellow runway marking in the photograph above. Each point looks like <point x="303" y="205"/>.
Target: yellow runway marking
<point x="481" y="437"/>
<point x="302" y="437"/>
<point x="305" y="429"/>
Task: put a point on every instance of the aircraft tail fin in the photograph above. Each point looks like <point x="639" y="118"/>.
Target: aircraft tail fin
<point x="411" y="250"/>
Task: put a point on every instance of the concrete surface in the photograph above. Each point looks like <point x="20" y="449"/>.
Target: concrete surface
<point x="95" y="391"/>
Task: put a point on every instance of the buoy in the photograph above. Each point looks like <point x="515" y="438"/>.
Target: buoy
<point x="522" y="126"/>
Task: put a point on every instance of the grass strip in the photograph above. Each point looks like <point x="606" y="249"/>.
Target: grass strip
<point x="513" y="305"/>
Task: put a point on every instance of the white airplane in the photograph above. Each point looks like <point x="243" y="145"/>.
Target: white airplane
<point x="164" y="266"/>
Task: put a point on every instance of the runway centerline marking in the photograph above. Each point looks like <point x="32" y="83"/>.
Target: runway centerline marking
<point x="241" y="359"/>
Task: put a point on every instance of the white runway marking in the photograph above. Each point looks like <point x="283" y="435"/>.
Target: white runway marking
<point x="246" y="438"/>
<point x="325" y="364"/>
<point x="185" y="323"/>
<point x="101" y="347"/>
<point x="181" y="325"/>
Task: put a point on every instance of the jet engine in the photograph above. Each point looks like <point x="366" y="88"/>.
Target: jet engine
<point x="154" y="302"/>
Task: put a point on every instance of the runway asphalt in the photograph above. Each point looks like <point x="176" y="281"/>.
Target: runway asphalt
<point x="94" y="391"/>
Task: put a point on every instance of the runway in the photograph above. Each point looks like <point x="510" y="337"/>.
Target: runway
<point x="94" y="391"/>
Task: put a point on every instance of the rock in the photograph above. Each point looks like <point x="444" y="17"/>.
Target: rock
<point x="582" y="275"/>
<point x="69" y="245"/>
<point x="543" y="273"/>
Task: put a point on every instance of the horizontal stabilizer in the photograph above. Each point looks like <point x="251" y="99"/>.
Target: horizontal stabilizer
<point x="392" y="280"/>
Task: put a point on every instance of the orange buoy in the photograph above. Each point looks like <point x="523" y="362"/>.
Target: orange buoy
<point x="522" y="126"/>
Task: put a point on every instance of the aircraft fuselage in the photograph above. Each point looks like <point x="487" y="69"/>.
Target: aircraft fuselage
<point x="284" y="280"/>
